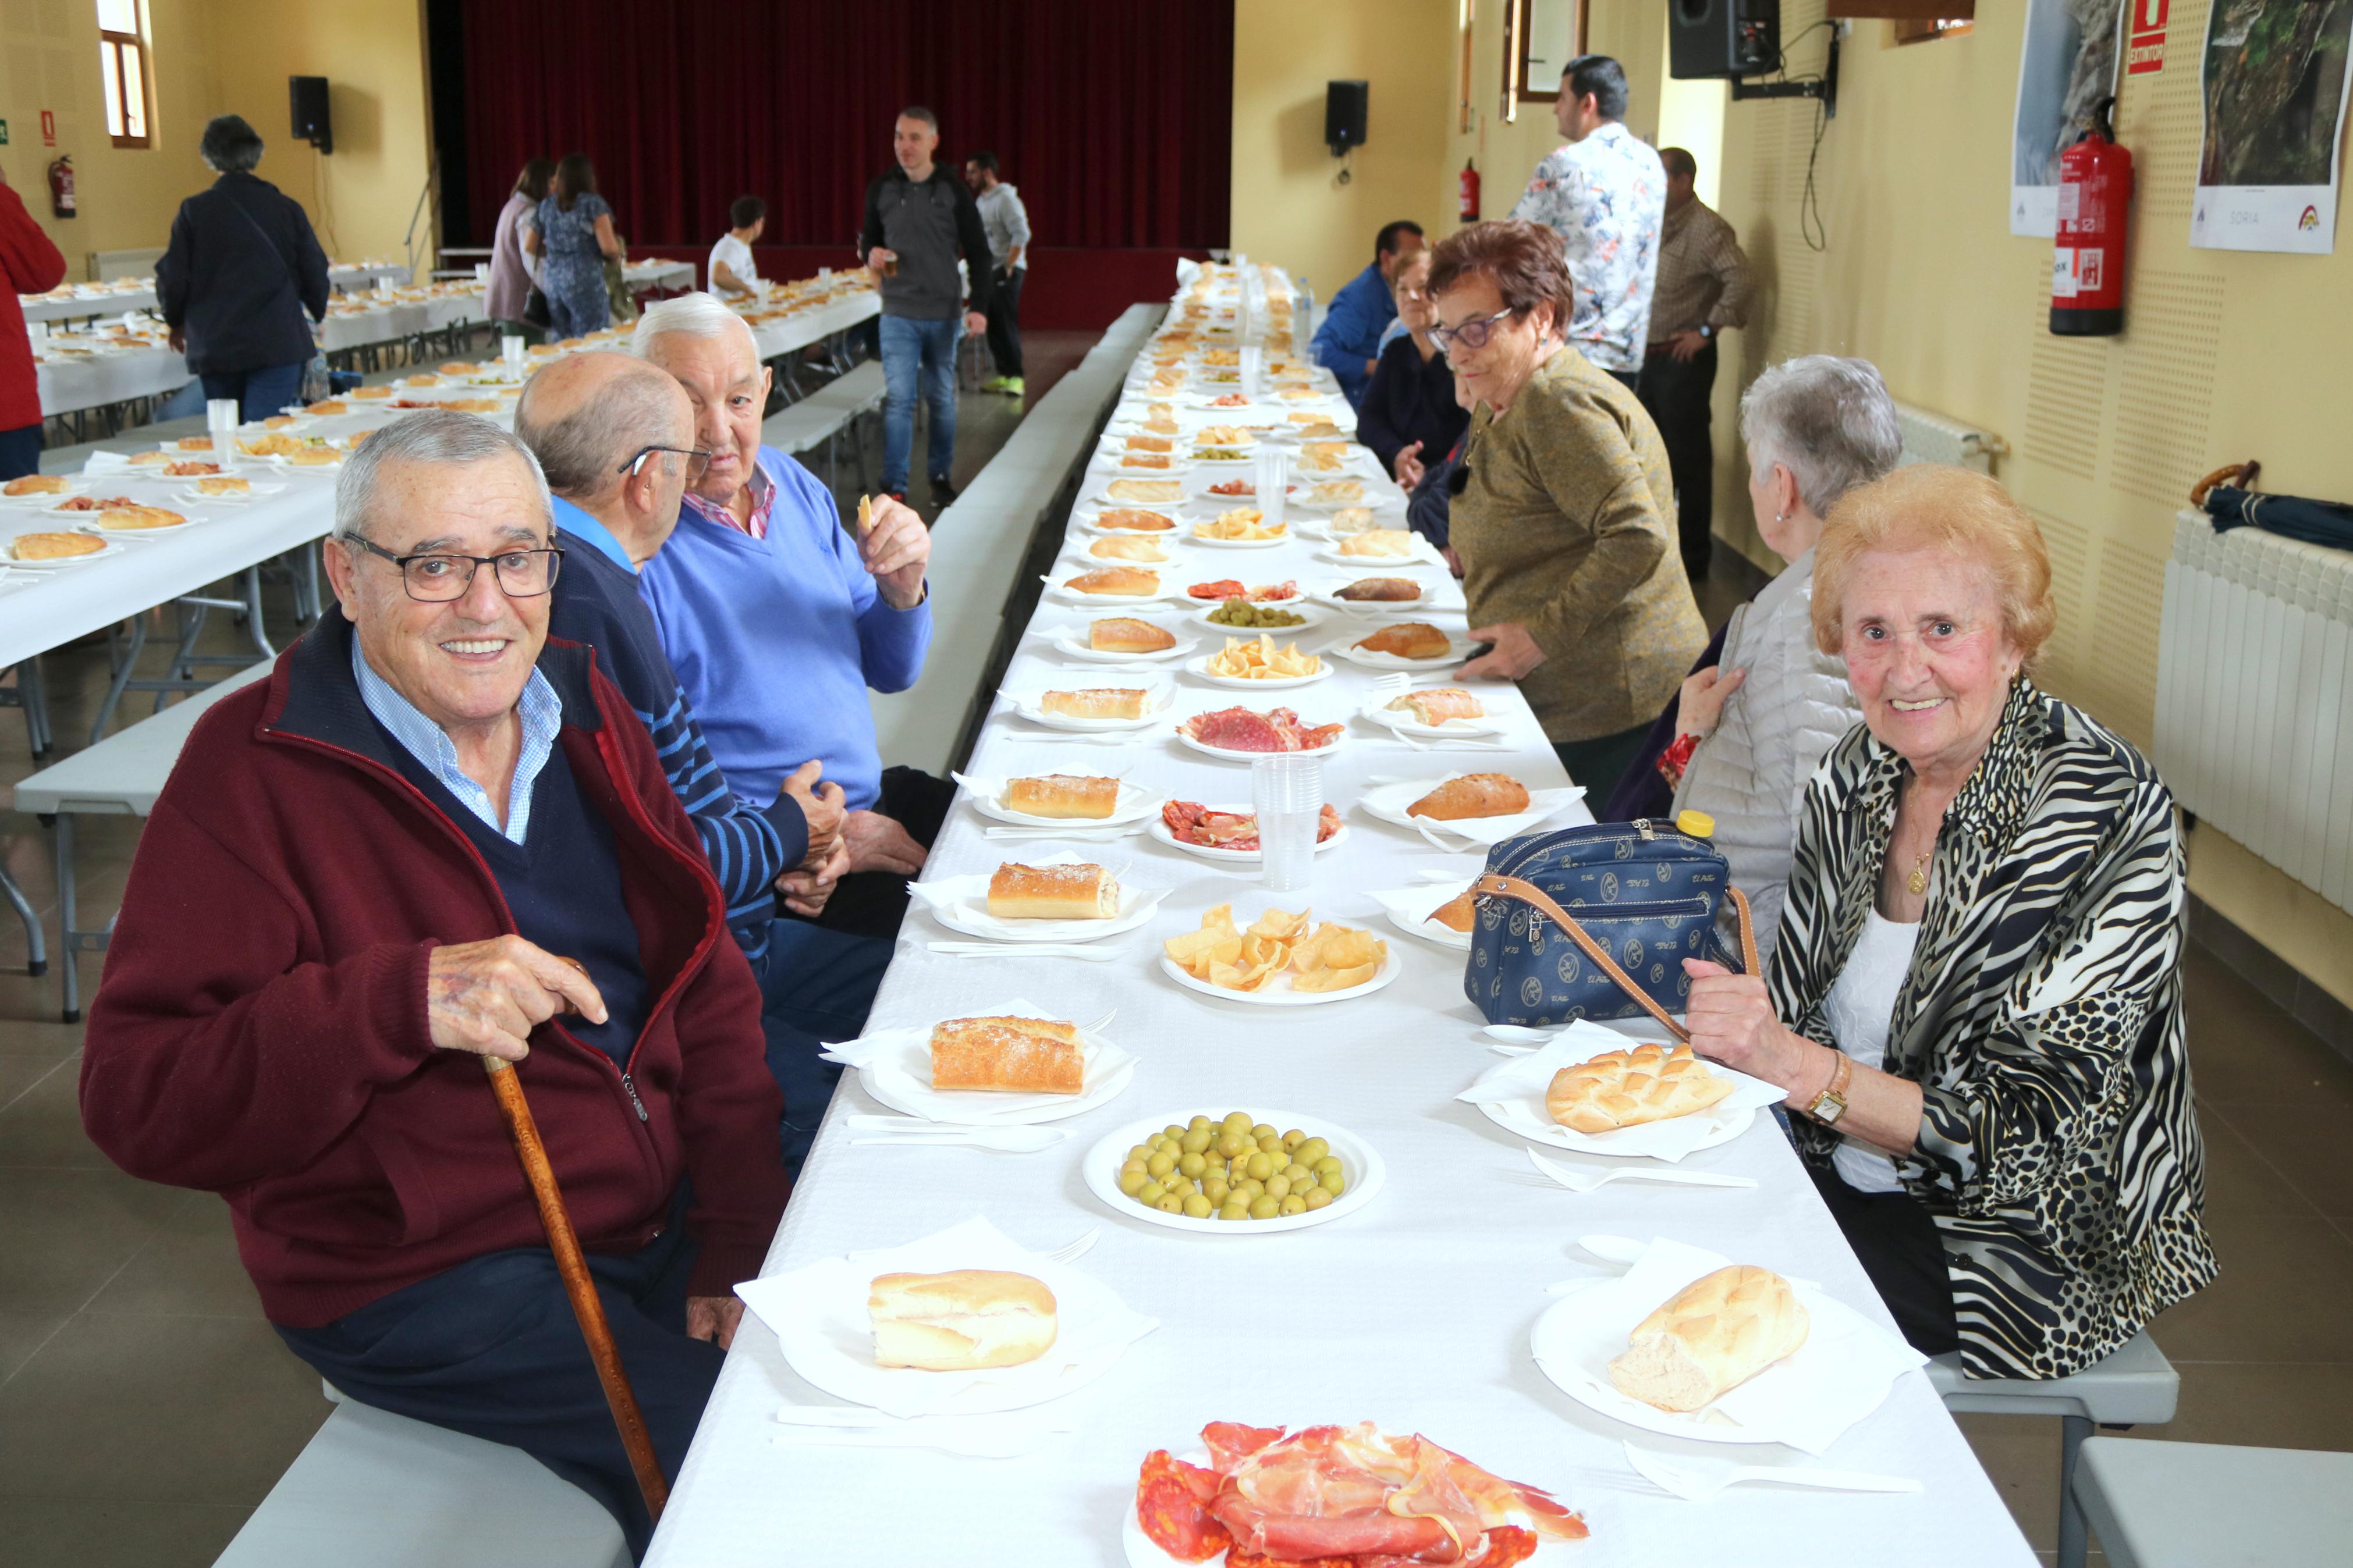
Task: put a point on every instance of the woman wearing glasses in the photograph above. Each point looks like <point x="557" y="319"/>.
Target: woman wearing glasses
<point x="1565" y="518"/>
<point x="1410" y="418"/>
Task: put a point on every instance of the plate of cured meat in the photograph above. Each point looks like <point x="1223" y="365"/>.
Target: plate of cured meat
<point x="1228" y="832"/>
<point x="1334" y="1495"/>
<point x="1239" y="734"/>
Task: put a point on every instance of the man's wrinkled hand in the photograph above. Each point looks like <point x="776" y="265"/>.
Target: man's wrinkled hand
<point x="877" y="843"/>
<point x="806" y="889"/>
<point x="1685" y="345"/>
<point x="822" y="807"/>
<point x="895" y="551"/>
<point x="487" y="996"/>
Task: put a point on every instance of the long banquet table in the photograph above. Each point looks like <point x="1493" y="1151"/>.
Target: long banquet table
<point x="1414" y="1313"/>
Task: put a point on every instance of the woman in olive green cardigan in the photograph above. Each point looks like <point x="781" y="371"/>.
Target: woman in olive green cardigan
<point x="1566" y="525"/>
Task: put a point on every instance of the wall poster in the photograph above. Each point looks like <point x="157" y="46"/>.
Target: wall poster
<point x="2066" y="66"/>
<point x="2273" y="81"/>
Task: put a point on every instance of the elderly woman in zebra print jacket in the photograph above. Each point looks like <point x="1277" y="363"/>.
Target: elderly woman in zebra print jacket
<point x="1976" y="1001"/>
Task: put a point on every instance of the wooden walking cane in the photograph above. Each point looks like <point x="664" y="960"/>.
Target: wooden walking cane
<point x="577" y="1284"/>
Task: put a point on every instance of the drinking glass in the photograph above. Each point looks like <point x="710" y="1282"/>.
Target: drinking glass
<point x="1287" y="794"/>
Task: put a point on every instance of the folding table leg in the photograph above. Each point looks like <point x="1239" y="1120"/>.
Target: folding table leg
<point x="70" y="940"/>
<point x="2073" y="1536"/>
<point x="36" y="952"/>
<point x="124" y="664"/>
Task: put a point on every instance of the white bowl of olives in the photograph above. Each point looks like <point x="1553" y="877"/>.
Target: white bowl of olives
<point x="1237" y="1173"/>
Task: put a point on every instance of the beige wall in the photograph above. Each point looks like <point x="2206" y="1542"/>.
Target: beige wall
<point x="215" y="57"/>
<point x="1289" y="206"/>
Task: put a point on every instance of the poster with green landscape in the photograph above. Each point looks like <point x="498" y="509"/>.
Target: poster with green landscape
<point x="2273" y="79"/>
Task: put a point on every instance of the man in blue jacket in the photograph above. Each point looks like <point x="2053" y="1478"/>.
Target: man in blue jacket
<point x="1348" y="343"/>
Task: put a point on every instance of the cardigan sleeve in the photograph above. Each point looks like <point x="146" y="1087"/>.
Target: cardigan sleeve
<point x="1581" y="458"/>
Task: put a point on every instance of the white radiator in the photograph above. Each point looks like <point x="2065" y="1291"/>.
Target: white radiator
<point x="1936" y="439"/>
<point x="2254" y="695"/>
<point x="108" y="266"/>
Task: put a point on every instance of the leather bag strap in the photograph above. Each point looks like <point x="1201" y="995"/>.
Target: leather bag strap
<point x="1528" y="893"/>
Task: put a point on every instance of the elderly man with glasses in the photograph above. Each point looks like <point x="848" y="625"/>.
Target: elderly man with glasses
<point x="434" y="835"/>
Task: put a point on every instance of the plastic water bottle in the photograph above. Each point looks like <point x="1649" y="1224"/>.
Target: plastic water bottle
<point x="1287" y="794"/>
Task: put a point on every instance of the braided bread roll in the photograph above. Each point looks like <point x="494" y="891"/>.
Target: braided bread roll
<point x="1623" y="1088"/>
<point x="1710" y="1337"/>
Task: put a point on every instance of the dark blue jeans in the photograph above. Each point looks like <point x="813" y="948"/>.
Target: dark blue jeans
<point x="491" y="1347"/>
<point x="20" y="451"/>
<point x="919" y="356"/>
<point x="259" y="393"/>
<point x="818" y="987"/>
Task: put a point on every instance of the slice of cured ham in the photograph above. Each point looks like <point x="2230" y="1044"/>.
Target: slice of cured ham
<point x="1278" y="730"/>
<point x="1190" y="822"/>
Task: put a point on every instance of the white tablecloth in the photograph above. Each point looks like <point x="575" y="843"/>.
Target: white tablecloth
<point x="1414" y="1313"/>
<point x="360" y="275"/>
<point x="396" y="319"/>
<point x="67" y="385"/>
<point x="97" y="301"/>
<point x="645" y="274"/>
<point x="798" y="330"/>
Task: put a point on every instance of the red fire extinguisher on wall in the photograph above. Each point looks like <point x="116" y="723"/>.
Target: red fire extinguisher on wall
<point x="1468" y="192"/>
<point x="2087" y="270"/>
<point x="62" y="190"/>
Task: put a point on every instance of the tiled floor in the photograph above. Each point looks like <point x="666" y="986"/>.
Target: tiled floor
<point x="146" y="1407"/>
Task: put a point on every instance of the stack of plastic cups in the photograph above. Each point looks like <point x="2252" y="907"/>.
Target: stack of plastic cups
<point x="512" y="351"/>
<point x="1273" y="478"/>
<point x="220" y="420"/>
<point x="382" y="287"/>
<point x="482" y="274"/>
<point x="1287" y="794"/>
<point x="1253" y="372"/>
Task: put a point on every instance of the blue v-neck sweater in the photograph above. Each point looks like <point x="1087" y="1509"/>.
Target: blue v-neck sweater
<point x="777" y="641"/>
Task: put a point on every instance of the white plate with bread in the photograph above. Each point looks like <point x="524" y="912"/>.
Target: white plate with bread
<point x="1051" y="800"/>
<point x="41" y="490"/>
<point x="42" y="549"/>
<point x="1086" y="553"/>
<point x="1161" y="833"/>
<point x="1012" y="1067"/>
<point x="1123" y="639"/>
<point x="1126" y="706"/>
<point x="1483" y="808"/>
<point x="1434" y="713"/>
<point x="1389" y="593"/>
<point x="961" y="1322"/>
<point x="1403" y="645"/>
<point x="1382" y="547"/>
<point x="1594" y="1090"/>
<point x="1061" y="899"/>
<point x="1128" y="522"/>
<point x="1112" y="583"/>
<point x="1438" y="912"/>
<point x="1363" y="1168"/>
<point x="1688" y="1344"/>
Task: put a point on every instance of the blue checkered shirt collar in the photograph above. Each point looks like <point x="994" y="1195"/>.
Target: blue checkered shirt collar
<point x="543" y="716"/>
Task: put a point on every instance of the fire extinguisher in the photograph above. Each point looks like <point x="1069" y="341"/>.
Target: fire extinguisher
<point x="1468" y="192"/>
<point x="62" y="190"/>
<point x="2087" y="270"/>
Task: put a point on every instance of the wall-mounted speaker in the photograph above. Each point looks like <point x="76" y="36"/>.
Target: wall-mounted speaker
<point x="308" y="96"/>
<point x="1344" y="106"/>
<point x="1722" y="37"/>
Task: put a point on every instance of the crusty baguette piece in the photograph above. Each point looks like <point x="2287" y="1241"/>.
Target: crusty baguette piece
<point x="1013" y="1055"/>
<point x="1408" y="640"/>
<point x="55" y="546"/>
<point x="1062" y="795"/>
<point x="1116" y="582"/>
<point x="1439" y="704"/>
<point x="1124" y="633"/>
<point x="1096" y="702"/>
<point x="960" y="1321"/>
<point x="1144" y="550"/>
<point x="1710" y="1337"/>
<point x="1018" y="892"/>
<point x="1135" y="520"/>
<point x="1623" y="1088"/>
<point x="1150" y="444"/>
<point x="1455" y="913"/>
<point x="1146" y="489"/>
<point x="1391" y="543"/>
<point x="1472" y="795"/>
<point x="35" y="485"/>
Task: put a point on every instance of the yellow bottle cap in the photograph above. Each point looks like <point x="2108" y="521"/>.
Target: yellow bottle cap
<point x="1698" y="824"/>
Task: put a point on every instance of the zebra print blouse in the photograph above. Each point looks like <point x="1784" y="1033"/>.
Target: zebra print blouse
<point x="2059" y="1152"/>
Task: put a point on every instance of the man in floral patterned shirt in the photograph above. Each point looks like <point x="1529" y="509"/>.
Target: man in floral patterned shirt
<point x="1605" y="194"/>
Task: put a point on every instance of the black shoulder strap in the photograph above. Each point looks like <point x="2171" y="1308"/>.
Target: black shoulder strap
<point x="285" y="266"/>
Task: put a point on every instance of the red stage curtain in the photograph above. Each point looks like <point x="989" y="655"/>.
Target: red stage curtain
<point x="1115" y="120"/>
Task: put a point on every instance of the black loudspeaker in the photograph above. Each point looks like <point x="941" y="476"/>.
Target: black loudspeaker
<point x="1722" y="37"/>
<point x="309" y="95"/>
<point x="1344" y="106"/>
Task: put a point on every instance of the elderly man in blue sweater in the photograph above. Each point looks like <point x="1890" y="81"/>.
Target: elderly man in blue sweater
<point x="1348" y="343"/>
<point x="778" y="617"/>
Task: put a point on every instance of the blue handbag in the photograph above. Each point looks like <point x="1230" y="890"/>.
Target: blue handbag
<point x="1595" y="922"/>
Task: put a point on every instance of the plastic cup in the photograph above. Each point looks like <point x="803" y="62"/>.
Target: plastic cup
<point x="1273" y="478"/>
<point x="1287" y="794"/>
<point x="513" y="348"/>
<point x="220" y="422"/>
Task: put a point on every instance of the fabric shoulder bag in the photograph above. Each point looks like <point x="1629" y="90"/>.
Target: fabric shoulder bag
<point x="1595" y="922"/>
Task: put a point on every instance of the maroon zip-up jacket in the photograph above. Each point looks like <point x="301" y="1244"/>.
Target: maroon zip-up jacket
<point x="262" y="1030"/>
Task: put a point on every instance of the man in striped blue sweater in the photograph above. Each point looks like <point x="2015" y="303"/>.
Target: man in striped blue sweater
<point x="616" y="439"/>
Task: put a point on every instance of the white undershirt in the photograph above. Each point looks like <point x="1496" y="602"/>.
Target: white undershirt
<point x="738" y="257"/>
<point x="1860" y="1010"/>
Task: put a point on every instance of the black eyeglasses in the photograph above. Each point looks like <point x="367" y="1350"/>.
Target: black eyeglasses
<point x="697" y="459"/>
<point x="1470" y="334"/>
<point x="438" y="576"/>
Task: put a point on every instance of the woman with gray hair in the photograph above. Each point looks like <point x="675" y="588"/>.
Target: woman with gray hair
<point x="242" y="269"/>
<point x="1751" y="729"/>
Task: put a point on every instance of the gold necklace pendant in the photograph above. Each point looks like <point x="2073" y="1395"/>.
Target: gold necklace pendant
<point x="1919" y="880"/>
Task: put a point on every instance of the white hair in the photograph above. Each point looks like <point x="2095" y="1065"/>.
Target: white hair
<point x="692" y="315"/>
<point x="437" y="436"/>
<point x="1828" y="420"/>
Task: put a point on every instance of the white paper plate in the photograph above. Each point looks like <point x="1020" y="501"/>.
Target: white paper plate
<point x="1360" y="1163"/>
<point x="1159" y="833"/>
<point x="1198" y="667"/>
<point x="89" y="523"/>
<point x="1177" y="467"/>
<point x="1103" y="500"/>
<point x="1078" y="557"/>
<point x="1420" y="553"/>
<point x="1157" y="704"/>
<point x="1433" y="596"/>
<point x="50" y="498"/>
<point x="1070" y="642"/>
<point x="1402" y="719"/>
<point x="900" y="1076"/>
<point x="1311" y="617"/>
<point x="1387" y="803"/>
<point x="1091" y="521"/>
<point x="820" y="1320"/>
<point x="8" y="552"/>
<point x="1234" y="754"/>
<point x="1408" y="909"/>
<point x="1278" y="993"/>
<point x="961" y="904"/>
<point x="1305" y="496"/>
<point x="1062" y="595"/>
<point x="1458" y="649"/>
<point x="1134" y="804"/>
<point x="1283" y="538"/>
<point x="1297" y="600"/>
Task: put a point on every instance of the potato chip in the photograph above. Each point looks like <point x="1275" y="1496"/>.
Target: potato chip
<point x="1280" y="925"/>
<point x="1333" y="979"/>
<point x="1257" y="658"/>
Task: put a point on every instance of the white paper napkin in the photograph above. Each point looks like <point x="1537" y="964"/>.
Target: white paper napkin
<point x="1836" y="1378"/>
<point x="1519" y="1085"/>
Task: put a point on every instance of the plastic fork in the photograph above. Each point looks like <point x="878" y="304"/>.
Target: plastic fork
<point x="1021" y="950"/>
<point x="1697" y="1481"/>
<point x="1581" y="1182"/>
<point x="1003" y="1140"/>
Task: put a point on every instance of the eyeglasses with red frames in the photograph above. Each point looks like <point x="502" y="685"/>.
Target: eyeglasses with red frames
<point x="1472" y="334"/>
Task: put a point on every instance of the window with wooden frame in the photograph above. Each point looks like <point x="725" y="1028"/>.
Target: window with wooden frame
<point x="1540" y="38"/>
<point x="123" y="70"/>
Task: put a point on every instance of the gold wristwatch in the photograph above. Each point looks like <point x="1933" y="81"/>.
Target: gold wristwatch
<point x="1831" y="1104"/>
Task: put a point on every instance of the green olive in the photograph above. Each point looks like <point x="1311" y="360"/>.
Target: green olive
<point x="1264" y="1208"/>
<point x="1170" y="1204"/>
<point x="1329" y="1165"/>
<point x="1318" y="1198"/>
<point x="1150" y="1192"/>
<point x="1307" y="1154"/>
<point x="1140" y="1154"/>
<point x="1196" y="1141"/>
<point x="1271" y="1145"/>
<point x="1279" y="1160"/>
<point x="1172" y="1131"/>
<point x="1232" y="1144"/>
<point x="1198" y="1207"/>
<point x="1260" y="1167"/>
<point x="1161" y="1164"/>
<point x="1234" y="1209"/>
<point x="1332" y="1183"/>
<point x="1247" y="1190"/>
<point x="1131" y="1180"/>
<point x="1198" y="1124"/>
<point x="1215" y="1189"/>
<point x="1278" y="1185"/>
<point x="1236" y="1121"/>
<point x="1260" y="1132"/>
<point x="1192" y="1164"/>
<point x="1168" y="1145"/>
<point x="1293" y="1140"/>
<point x="1295" y="1204"/>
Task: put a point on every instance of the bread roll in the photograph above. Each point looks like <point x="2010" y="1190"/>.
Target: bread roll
<point x="224" y="485"/>
<point x="35" y="485"/>
<point x="139" y="517"/>
<point x="1150" y="444"/>
<point x="1062" y="795"/>
<point x="1146" y="489"/>
<point x="1710" y="1337"/>
<point x="1409" y="639"/>
<point x="1472" y="795"/>
<point x="1012" y="1056"/>
<point x="1381" y="590"/>
<point x="1455" y="913"/>
<point x="1126" y="635"/>
<point x="960" y="1321"/>
<point x="1117" y="581"/>
<point x="1392" y="543"/>
<point x="1440" y="703"/>
<point x="1096" y="702"/>
<point x="1017" y="892"/>
<point x="55" y="546"/>
<point x="1144" y="550"/>
<point x="1133" y="520"/>
<point x="1623" y="1088"/>
<point x="1146" y="460"/>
